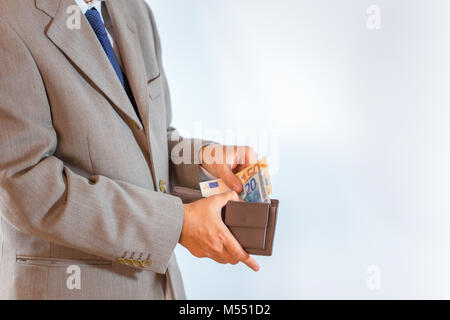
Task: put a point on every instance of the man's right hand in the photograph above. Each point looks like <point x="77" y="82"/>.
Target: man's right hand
<point x="206" y="236"/>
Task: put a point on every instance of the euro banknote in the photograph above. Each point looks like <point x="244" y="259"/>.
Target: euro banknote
<point x="254" y="189"/>
<point x="250" y="171"/>
<point x="255" y="179"/>
<point x="213" y="187"/>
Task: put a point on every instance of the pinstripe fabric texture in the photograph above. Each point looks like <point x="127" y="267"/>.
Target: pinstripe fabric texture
<point x="84" y="182"/>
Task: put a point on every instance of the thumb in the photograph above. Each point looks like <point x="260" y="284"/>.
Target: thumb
<point x="227" y="196"/>
<point x="227" y="176"/>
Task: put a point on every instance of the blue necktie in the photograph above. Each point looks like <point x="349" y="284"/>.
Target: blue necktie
<point x="98" y="26"/>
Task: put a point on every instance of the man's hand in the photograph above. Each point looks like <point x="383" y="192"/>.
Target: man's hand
<point x="205" y="235"/>
<point x="225" y="161"/>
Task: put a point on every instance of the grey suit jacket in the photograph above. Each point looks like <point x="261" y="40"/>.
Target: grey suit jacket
<point x="82" y="181"/>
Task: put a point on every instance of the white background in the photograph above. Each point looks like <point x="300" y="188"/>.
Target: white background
<point x="361" y="117"/>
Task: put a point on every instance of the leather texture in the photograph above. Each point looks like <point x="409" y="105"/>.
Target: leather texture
<point x="83" y="181"/>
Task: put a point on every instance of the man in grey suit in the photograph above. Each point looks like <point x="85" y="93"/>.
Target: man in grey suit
<point x="85" y="170"/>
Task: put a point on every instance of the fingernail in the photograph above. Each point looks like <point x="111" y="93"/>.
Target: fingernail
<point x="236" y="187"/>
<point x="256" y="268"/>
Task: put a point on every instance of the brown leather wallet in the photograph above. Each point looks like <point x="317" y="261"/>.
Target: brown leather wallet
<point x="252" y="224"/>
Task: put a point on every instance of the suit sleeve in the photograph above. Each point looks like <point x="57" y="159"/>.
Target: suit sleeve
<point x="42" y="197"/>
<point x="185" y="168"/>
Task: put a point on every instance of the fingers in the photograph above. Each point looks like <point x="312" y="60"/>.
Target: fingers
<point x="233" y="254"/>
<point x="231" y="251"/>
<point x="231" y="258"/>
<point x="250" y="157"/>
<point x="223" y="198"/>
<point x="234" y="249"/>
<point x="227" y="175"/>
<point x="219" y="259"/>
<point x="250" y="262"/>
<point x="224" y="248"/>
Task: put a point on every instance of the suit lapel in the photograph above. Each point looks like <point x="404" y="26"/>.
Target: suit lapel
<point x="48" y="6"/>
<point x="130" y="49"/>
<point x="131" y="54"/>
<point x="85" y="51"/>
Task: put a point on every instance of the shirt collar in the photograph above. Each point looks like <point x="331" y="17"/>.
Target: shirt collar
<point x="85" y="7"/>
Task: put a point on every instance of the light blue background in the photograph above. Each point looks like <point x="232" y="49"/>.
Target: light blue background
<point x="362" y="119"/>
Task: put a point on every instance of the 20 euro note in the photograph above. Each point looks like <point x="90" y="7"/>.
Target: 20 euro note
<point x="250" y="171"/>
<point x="254" y="189"/>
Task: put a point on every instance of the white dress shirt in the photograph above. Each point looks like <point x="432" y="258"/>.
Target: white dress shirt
<point x="103" y="14"/>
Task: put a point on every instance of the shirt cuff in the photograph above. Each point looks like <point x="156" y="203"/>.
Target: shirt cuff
<point x="205" y="175"/>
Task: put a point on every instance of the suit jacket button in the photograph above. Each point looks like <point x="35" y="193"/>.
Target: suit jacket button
<point x="162" y="187"/>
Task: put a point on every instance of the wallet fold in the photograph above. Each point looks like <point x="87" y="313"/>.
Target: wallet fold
<point x="252" y="224"/>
